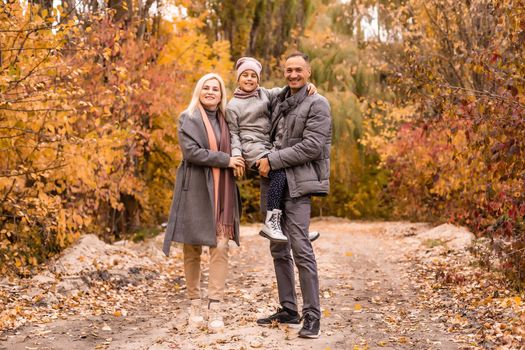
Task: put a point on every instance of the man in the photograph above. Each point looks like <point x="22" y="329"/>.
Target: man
<point x="301" y="134"/>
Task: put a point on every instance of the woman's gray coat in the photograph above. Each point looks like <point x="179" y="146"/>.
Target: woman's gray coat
<point x="192" y="218"/>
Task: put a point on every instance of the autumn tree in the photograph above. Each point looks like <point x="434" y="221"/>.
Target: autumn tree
<point x="87" y="120"/>
<point x="458" y="154"/>
<point x="347" y="74"/>
<point x="258" y="28"/>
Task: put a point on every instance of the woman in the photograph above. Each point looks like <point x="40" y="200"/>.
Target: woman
<point x="205" y="208"/>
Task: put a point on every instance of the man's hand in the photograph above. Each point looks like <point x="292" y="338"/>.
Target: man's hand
<point x="264" y="166"/>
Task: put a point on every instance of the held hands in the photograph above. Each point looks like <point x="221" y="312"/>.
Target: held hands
<point x="238" y="172"/>
<point x="237" y="163"/>
<point x="264" y="166"/>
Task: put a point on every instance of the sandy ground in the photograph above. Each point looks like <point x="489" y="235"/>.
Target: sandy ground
<point x="369" y="299"/>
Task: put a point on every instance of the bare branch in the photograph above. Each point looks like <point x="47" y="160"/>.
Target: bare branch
<point x="37" y="110"/>
<point x="484" y="93"/>
<point x="8" y="191"/>
<point x="447" y="40"/>
<point x="6" y="174"/>
<point x="29" y="73"/>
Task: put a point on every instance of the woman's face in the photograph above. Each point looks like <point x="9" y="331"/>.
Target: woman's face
<point x="210" y="95"/>
<point x="248" y="80"/>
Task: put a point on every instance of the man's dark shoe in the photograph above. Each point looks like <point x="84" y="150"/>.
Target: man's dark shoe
<point x="311" y="327"/>
<point x="283" y="315"/>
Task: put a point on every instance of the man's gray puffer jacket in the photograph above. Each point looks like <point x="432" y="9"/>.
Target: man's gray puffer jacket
<point x="303" y="126"/>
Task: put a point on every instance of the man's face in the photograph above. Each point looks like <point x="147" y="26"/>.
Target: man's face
<point x="296" y="72"/>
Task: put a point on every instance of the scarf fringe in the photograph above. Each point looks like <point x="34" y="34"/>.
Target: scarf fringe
<point x="225" y="231"/>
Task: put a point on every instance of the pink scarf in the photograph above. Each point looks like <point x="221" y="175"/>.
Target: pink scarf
<point x="243" y="94"/>
<point x="223" y="181"/>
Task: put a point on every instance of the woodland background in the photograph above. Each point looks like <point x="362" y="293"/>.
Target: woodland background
<point x="428" y="104"/>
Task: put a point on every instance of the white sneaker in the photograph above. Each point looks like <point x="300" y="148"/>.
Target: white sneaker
<point x="195" y="318"/>
<point x="215" y="320"/>
<point x="272" y="227"/>
<point x="313" y="235"/>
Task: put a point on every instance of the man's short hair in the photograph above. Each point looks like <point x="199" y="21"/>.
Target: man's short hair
<point x="299" y="54"/>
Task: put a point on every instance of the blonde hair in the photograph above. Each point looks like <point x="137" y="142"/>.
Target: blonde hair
<point x="195" y="99"/>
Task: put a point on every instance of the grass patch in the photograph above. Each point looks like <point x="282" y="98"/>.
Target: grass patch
<point x="432" y="243"/>
<point x="143" y="233"/>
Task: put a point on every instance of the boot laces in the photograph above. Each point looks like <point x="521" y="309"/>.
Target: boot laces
<point x="308" y="319"/>
<point x="274" y="221"/>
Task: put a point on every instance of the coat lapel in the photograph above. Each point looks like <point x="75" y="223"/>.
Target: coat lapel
<point x="194" y="126"/>
<point x="285" y="105"/>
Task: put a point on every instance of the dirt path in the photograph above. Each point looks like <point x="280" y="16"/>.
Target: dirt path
<point x="368" y="298"/>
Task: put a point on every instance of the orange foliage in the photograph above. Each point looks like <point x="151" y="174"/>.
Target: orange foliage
<point x="462" y="158"/>
<point x="88" y="131"/>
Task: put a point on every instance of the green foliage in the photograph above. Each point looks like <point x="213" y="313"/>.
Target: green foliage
<point x="144" y="233"/>
<point x="249" y="188"/>
<point x="259" y="28"/>
<point x="352" y="87"/>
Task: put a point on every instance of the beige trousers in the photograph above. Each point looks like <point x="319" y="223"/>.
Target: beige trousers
<point x="218" y="270"/>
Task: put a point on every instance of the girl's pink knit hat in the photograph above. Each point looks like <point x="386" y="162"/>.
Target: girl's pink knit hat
<point x="245" y="63"/>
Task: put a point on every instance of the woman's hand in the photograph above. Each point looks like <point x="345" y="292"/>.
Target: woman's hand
<point x="311" y="89"/>
<point x="236" y="162"/>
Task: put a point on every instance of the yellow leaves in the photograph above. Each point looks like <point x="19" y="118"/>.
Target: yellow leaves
<point x="382" y="128"/>
<point x="459" y="320"/>
<point x="61" y="220"/>
<point x="363" y="347"/>
<point x="145" y="83"/>
<point x="32" y="261"/>
<point x="402" y="340"/>
<point x="106" y="52"/>
<point x="190" y="52"/>
<point x="511" y="302"/>
<point x="77" y="220"/>
<point x="101" y="127"/>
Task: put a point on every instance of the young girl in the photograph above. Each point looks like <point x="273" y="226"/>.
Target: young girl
<point x="248" y="115"/>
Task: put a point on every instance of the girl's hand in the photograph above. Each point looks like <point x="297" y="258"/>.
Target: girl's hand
<point x="311" y="89"/>
<point x="238" y="172"/>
